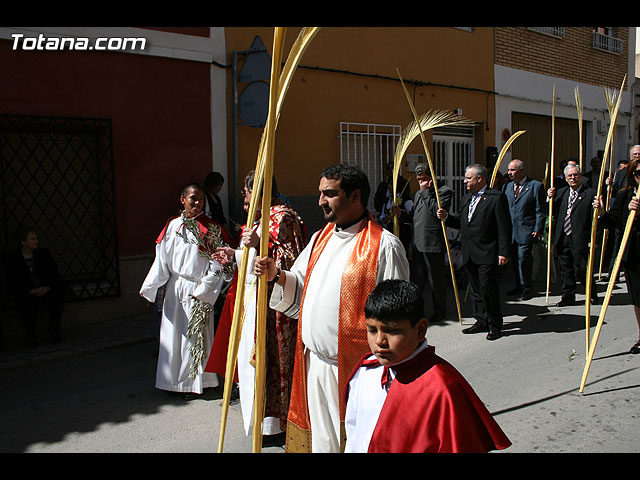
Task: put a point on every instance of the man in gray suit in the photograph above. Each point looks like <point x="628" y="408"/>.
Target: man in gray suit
<point x="428" y="269"/>
<point x="527" y="205"/>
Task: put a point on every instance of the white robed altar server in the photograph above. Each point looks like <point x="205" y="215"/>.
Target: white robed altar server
<point x="188" y="275"/>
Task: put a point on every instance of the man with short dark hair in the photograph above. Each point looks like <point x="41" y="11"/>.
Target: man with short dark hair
<point x="592" y="177"/>
<point x="326" y="288"/>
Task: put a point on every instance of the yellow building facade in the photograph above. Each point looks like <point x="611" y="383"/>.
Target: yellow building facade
<point x="346" y="101"/>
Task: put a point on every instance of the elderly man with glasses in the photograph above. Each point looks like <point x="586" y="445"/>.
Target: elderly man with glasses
<point x="573" y="213"/>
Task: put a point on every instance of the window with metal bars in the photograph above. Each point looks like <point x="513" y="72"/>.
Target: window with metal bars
<point x="369" y="147"/>
<point x="557" y="32"/>
<point x="56" y="175"/>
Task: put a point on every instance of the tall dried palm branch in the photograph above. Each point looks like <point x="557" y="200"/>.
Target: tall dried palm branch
<point x="427" y="121"/>
<point x="280" y="81"/>
<point x="594" y="221"/>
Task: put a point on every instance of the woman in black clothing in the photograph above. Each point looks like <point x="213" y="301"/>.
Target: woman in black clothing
<point x="626" y="201"/>
<point x="36" y="284"/>
<point x="213" y="208"/>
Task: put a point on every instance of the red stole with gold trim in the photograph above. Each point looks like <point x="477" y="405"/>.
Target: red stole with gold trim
<point x="358" y="280"/>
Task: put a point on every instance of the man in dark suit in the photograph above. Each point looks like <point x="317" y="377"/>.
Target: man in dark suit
<point x="592" y="177"/>
<point x="527" y="207"/>
<point x="485" y="228"/>
<point x="384" y="205"/>
<point x="573" y="213"/>
<point x="619" y="179"/>
<point x="428" y="269"/>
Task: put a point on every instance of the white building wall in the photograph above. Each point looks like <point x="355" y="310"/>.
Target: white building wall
<point x="522" y="91"/>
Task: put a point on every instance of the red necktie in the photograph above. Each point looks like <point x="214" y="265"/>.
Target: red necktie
<point x="373" y="362"/>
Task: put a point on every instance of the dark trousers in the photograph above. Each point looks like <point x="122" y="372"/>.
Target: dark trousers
<point x="485" y="294"/>
<point x="613" y="247"/>
<point x="573" y="268"/>
<point x="29" y="306"/>
<point x="428" y="272"/>
<point x="522" y="264"/>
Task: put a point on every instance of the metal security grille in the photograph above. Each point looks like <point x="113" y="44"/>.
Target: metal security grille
<point x="57" y="176"/>
<point x="452" y="153"/>
<point x="369" y="147"/>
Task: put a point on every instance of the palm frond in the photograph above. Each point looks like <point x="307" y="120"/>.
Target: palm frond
<point x="427" y="121"/>
<point x="503" y="152"/>
<point x="580" y="111"/>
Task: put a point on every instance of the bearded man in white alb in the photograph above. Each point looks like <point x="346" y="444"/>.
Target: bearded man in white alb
<point x="326" y="289"/>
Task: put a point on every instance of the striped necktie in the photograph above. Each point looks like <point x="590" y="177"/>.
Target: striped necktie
<point x="567" y="218"/>
<point x="517" y="191"/>
<point x="472" y="205"/>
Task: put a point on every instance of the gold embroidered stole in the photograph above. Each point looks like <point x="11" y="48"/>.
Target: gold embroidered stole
<point x="358" y="280"/>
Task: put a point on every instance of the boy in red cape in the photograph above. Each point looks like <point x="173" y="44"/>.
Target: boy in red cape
<point x="402" y="397"/>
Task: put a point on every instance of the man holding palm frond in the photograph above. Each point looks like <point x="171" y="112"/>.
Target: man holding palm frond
<point x="326" y="288"/>
<point x="428" y="268"/>
<point x="485" y="228"/>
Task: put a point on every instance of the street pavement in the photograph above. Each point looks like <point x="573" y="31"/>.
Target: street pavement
<point x="529" y="378"/>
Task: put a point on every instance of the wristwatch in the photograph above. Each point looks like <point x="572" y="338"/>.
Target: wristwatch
<point x="277" y="277"/>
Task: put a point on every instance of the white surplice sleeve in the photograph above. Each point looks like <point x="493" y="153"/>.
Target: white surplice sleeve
<point x="392" y="259"/>
<point x="210" y="285"/>
<point x="287" y="299"/>
<point x="157" y="276"/>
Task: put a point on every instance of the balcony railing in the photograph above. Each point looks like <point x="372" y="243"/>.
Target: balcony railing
<point x="607" y="43"/>
<point x="557" y="32"/>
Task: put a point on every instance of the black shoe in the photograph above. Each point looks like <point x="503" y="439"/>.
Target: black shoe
<point x="276" y="440"/>
<point x="636" y="348"/>
<point x="191" y="396"/>
<point x="475" y="328"/>
<point x="565" y="302"/>
<point x="526" y="295"/>
<point x="234" y="398"/>
<point x="494" y="334"/>
<point x="515" y="291"/>
<point x="436" y="319"/>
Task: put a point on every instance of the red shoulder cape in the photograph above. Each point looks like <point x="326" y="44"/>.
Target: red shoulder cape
<point x="443" y="415"/>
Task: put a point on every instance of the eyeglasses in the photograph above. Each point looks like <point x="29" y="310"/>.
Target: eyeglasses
<point x="572" y="175"/>
<point x="636" y="173"/>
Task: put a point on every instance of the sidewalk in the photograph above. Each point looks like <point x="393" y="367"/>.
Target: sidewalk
<point x="81" y="340"/>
